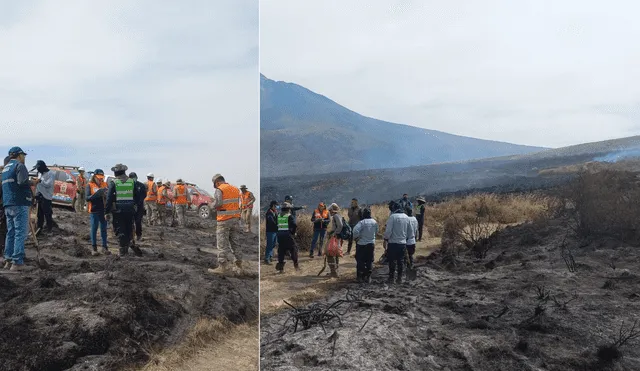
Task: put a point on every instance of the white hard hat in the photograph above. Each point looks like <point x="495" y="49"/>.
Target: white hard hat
<point x="80" y="168"/>
<point x="150" y="175"/>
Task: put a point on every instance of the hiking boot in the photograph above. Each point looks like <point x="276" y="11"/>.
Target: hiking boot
<point x="123" y="251"/>
<point x="280" y="267"/>
<point x="7" y="264"/>
<point x="105" y="250"/>
<point x="359" y="278"/>
<point x="17" y="268"/>
<point x="138" y="238"/>
<point x="311" y="255"/>
<point x="399" y="280"/>
<point x="296" y="266"/>
<point x="94" y="251"/>
<point x="136" y="250"/>
<point x="221" y="268"/>
<point x="367" y="278"/>
<point x="267" y="262"/>
<point x="333" y="274"/>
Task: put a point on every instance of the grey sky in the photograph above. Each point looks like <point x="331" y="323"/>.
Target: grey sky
<point x="163" y="86"/>
<point x="548" y="73"/>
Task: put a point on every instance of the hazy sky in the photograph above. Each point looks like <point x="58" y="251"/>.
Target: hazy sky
<point x="548" y="73"/>
<point x="166" y="87"/>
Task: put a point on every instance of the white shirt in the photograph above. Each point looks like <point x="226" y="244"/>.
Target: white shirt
<point x="414" y="225"/>
<point x="365" y="231"/>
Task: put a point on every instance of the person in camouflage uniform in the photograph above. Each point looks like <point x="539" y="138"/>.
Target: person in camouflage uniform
<point x="227" y="203"/>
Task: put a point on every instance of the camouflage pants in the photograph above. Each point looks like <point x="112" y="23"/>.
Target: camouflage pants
<point x="228" y="241"/>
<point x="161" y="211"/>
<point x="246" y="219"/>
<point x="181" y="212"/>
<point x="80" y="202"/>
<point x="152" y="211"/>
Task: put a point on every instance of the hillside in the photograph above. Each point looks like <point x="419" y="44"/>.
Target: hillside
<point x="302" y="132"/>
<point x="509" y="173"/>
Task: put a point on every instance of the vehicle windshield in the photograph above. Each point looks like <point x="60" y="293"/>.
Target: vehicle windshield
<point x="202" y="191"/>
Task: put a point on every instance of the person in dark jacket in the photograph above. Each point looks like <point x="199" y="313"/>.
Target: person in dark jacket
<point x="122" y="202"/>
<point x="320" y="220"/>
<point x="96" y="193"/>
<point x="3" y="219"/>
<point x="140" y="212"/>
<point x="289" y="200"/>
<point x="405" y="204"/>
<point x="44" y="196"/>
<point x="271" y="218"/>
<point x="286" y="230"/>
<point x="355" y="215"/>
<point x="420" y="210"/>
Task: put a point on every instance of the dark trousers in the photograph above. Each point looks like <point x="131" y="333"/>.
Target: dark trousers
<point x="123" y="225"/>
<point x="395" y="255"/>
<point x="420" y="219"/>
<point x="411" y="250"/>
<point x="3" y="230"/>
<point x="286" y="243"/>
<point x="364" y="259"/>
<point x="138" y="220"/>
<point x="350" y="241"/>
<point x="45" y="213"/>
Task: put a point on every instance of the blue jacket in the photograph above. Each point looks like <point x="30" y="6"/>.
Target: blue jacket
<point x="16" y="188"/>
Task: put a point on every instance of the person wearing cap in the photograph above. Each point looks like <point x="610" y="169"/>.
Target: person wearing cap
<point x="122" y="201"/>
<point x="289" y="199"/>
<point x="151" y="200"/>
<point x="271" y="218"/>
<point x="161" y="201"/>
<point x="141" y="189"/>
<point x="81" y="198"/>
<point x="3" y="218"/>
<point x="355" y="215"/>
<point x="17" y="198"/>
<point x="96" y="190"/>
<point x="247" y="207"/>
<point x="226" y="202"/>
<point x="182" y="200"/>
<point x="396" y="234"/>
<point x="335" y="227"/>
<point x="419" y="214"/>
<point x="44" y="196"/>
<point x="286" y="230"/>
<point x="365" y="235"/>
<point x="320" y="220"/>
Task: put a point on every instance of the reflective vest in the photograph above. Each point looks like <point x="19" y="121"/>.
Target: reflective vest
<point x="12" y="193"/>
<point x="180" y="194"/>
<point x="230" y="207"/>
<point x="93" y="187"/>
<point x="162" y="199"/>
<point x="82" y="182"/>
<point x="283" y="223"/>
<point x="321" y="215"/>
<point x="246" y="198"/>
<point x="124" y="190"/>
<point x="151" y="195"/>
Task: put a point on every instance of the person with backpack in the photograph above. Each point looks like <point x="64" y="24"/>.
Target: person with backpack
<point x="338" y="231"/>
<point x="411" y="242"/>
<point x="286" y="230"/>
<point x="396" y="234"/>
<point x="355" y="215"/>
<point x="365" y="235"/>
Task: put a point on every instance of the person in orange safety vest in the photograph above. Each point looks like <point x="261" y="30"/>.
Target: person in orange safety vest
<point x="182" y="201"/>
<point x="227" y="203"/>
<point x="151" y="201"/>
<point x="247" y="207"/>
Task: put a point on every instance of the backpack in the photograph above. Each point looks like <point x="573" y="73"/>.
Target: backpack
<point x="345" y="233"/>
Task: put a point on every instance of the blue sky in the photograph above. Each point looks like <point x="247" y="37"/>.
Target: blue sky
<point x="162" y="86"/>
<point x="538" y="72"/>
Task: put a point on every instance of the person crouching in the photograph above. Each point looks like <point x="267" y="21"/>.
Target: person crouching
<point x="286" y="230"/>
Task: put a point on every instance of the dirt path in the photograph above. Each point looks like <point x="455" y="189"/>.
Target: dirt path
<point x="304" y="286"/>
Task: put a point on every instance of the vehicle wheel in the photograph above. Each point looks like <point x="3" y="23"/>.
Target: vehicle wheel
<point x="203" y="211"/>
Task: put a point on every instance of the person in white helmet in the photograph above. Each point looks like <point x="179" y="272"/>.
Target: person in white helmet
<point x="151" y="201"/>
<point x="81" y="197"/>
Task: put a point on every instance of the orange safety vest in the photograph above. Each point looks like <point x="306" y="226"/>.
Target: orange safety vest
<point x="230" y="207"/>
<point x="151" y="195"/>
<point x="93" y="187"/>
<point x="162" y="200"/>
<point x="246" y="198"/>
<point x="321" y="215"/>
<point x="82" y="182"/>
<point x="180" y="194"/>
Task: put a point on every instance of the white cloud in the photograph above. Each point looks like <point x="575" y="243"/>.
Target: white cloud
<point x="162" y="86"/>
<point x="530" y="72"/>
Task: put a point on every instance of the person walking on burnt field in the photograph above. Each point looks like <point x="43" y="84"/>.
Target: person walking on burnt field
<point x="162" y="198"/>
<point x="151" y="201"/>
<point x="355" y="215"/>
<point x="141" y="189"/>
<point x="320" y="220"/>
<point x="17" y="198"/>
<point x="226" y="202"/>
<point x="396" y="234"/>
<point x="44" y="197"/>
<point x="182" y="200"/>
<point x="81" y="183"/>
<point x="333" y="249"/>
<point x="248" y="199"/>
<point x="405" y="204"/>
<point x="419" y="214"/>
<point x="122" y="202"/>
<point x="271" y="218"/>
<point x="286" y="231"/>
<point x="289" y="199"/>
<point x="411" y="242"/>
<point x="96" y="192"/>
<point x="365" y="235"/>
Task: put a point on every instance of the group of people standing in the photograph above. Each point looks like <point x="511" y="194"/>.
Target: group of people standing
<point x="404" y="227"/>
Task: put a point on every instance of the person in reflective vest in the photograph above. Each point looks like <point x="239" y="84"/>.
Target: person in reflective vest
<point x="182" y="199"/>
<point x="162" y="198"/>
<point x="151" y="200"/>
<point x="247" y="207"/>
<point x="286" y="230"/>
<point x="122" y="201"/>
<point x="320" y="220"/>
<point x="226" y="201"/>
<point x="96" y="192"/>
<point x="81" y="184"/>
